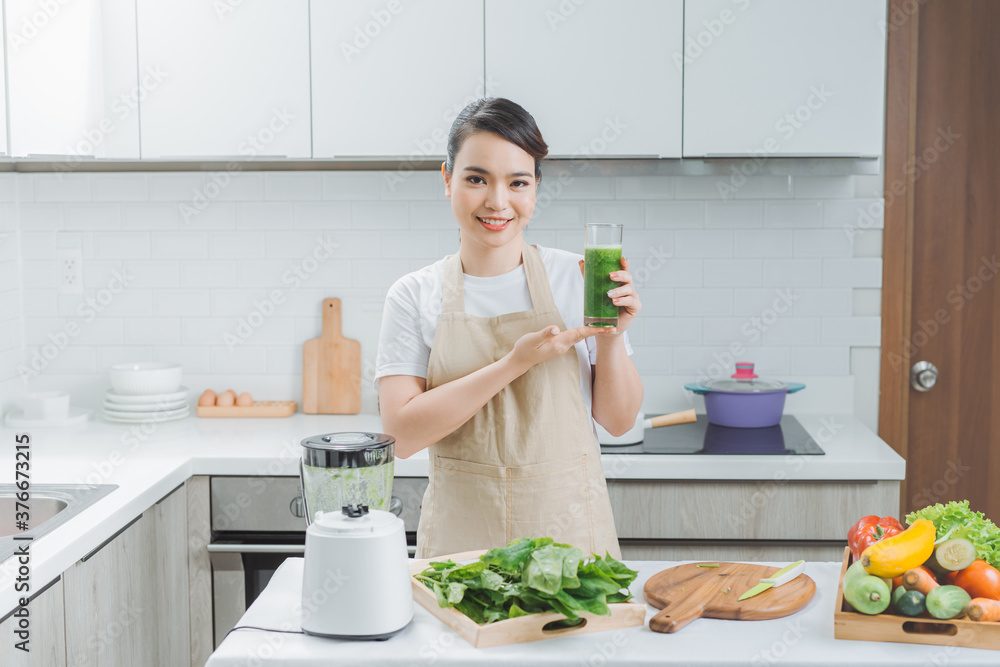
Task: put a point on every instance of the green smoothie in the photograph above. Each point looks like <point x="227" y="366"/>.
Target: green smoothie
<point x="599" y="262"/>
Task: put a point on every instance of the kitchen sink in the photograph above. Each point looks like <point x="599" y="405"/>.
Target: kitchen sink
<point x="49" y="506"/>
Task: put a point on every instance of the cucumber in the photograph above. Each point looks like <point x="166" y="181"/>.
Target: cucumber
<point x="946" y="602"/>
<point x="955" y="554"/>
<point x="908" y="603"/>
<point x="866" y="593"/>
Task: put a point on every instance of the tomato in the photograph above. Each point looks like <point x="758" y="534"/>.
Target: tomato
<point x="869" y="530"/>
<point x="980" y="580"/>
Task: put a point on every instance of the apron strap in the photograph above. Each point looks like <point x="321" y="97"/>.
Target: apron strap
<point x="538" y="280"/>
<point x="452" y="286"/>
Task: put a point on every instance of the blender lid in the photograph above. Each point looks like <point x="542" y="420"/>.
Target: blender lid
<point x="348" y="449"/>
<point x="745" y="381"/>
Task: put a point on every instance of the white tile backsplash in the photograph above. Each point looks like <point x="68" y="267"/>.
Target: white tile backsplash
<point x="733" y="214"/>
<point x="793" y="214"/>
<point x="763" y="264"/>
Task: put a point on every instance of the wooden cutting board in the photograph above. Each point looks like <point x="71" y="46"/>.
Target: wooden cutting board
<point x="331" y="368"/>
<point x="687" y="592"/>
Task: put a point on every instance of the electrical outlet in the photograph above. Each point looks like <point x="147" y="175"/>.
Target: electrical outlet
<point x="70" y="270"/>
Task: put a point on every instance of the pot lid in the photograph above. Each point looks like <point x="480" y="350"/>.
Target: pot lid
<point x="354" y="520"/>
<point x="744" y="380"/>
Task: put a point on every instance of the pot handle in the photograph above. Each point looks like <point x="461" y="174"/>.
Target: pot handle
<point x="698" y="388"/>
<point x="795" y="386"/>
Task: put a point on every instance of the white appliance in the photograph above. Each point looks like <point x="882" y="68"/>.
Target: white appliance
<point x="356" y="580"/>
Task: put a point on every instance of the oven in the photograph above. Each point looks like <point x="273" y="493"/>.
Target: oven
<point x="258" y="522"/>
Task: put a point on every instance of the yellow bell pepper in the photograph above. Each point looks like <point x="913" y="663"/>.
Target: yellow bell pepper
<point x="895" y="555"/>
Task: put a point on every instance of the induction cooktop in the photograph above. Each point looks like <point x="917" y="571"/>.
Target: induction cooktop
<point x="788" y="437"/>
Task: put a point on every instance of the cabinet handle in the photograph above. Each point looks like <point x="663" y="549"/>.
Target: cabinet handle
<point x="256" y="548"/>
<point x="109" y="540"/>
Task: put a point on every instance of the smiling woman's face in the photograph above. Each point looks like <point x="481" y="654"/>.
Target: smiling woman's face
<point x="492" y="190"/>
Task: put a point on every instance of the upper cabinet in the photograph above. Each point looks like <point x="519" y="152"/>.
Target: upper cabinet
<point x="72" y="78"/>
<point x="230" y="78"/>
<point x="601" y="78"/>
<point x="388" y="78"/>
<point x="784" y="78"/>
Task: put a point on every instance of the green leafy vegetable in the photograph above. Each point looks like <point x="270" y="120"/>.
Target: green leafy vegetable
<point x="530" y="576"/>
<point x="956" y="520"/>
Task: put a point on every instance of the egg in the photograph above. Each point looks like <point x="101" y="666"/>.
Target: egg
<point x="226" y="400"/>
<point x="207" y="398"/>
<point x="245" y="400"/>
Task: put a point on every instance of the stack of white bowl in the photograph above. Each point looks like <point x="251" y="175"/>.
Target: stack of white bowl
<point x="147" y="391"/>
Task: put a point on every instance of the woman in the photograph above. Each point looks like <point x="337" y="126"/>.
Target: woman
<point x="472" y="360"/>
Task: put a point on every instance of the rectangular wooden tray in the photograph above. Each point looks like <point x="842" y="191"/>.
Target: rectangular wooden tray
<point x="889" y="627"/>
<point x="258" y="409"/>
<point x="523" y="628"/>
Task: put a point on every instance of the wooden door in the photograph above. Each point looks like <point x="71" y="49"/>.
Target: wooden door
<point x="941" y="302"/>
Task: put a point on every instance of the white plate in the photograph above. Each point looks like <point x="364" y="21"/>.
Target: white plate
<point x="145" y="399"/>
<point x="146" y="416"/>
<point x="15" y="419"/>
<point x="158" y="420"/>
<point x="145" y="407"/>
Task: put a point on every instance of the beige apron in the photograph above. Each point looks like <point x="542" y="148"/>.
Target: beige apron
<point x="527" y="464"/>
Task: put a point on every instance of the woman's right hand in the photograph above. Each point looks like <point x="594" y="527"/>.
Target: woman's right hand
<point x="538" y="346"/>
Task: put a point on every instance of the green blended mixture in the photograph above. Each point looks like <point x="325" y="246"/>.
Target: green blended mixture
<point x="599" y="262"/>
<point x="329" y="489"/>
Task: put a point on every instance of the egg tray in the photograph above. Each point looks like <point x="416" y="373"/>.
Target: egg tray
<point x="258" y="409"/>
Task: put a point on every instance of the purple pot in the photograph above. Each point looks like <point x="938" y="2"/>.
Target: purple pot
<point x="746" y="401"/>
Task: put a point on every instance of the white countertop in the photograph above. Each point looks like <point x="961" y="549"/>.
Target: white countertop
<point x="804" y="638"/>
<point x="148" y="461"/>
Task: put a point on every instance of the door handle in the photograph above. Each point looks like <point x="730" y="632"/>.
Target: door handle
<point x="923" y="376"/>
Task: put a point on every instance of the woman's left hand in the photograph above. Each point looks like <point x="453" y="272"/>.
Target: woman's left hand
<point x="624" y="296"/>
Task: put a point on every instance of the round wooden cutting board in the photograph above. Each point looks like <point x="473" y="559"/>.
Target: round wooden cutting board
<point x="687" y="592"/>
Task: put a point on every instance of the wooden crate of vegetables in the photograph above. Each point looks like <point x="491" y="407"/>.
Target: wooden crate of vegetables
<point x="934" y="582"/>
<point x="529" y="590"/>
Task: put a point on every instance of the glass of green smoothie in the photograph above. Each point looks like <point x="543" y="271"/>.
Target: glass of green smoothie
<point x="602" y="255"/>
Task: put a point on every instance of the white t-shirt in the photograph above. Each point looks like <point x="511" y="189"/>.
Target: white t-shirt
<point x="413" y="304"/>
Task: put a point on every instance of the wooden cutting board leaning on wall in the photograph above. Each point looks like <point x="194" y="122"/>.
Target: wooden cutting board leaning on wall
<point x="331" y="368"/>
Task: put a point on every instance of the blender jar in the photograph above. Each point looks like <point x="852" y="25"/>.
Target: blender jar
<point x="350" y="468"/>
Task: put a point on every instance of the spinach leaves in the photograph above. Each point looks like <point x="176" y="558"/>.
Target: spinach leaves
<point x="530" y="576"/>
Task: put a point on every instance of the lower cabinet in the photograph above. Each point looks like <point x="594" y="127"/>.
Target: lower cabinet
<point x="47" y="636"/>
<point x="126" y="603"/>
<point x="773" y="520"/>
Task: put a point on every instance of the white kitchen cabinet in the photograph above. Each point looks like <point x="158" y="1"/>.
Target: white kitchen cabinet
<point x="601" y="78"/>
<point x="784" y="78"/>
<point x="127" y="602"/>
<point x="235" y="78"/>
<point x="72" y="82"/>
<point x="388" y="78"/>
<point x="47" y="632"/>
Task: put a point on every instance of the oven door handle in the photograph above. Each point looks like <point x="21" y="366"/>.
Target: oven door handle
<point x="256" y="548"/>
<point x="273" y="549"/>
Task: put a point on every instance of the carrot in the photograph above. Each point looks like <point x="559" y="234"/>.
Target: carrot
<point x="897" y="582"/>
<point x="983" y="610"/>
<point x="919" y="579"/>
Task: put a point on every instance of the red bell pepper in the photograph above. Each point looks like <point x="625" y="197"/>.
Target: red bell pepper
<point x="869" y="530"/>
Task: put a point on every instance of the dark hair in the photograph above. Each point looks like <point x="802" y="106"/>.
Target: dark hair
<point x="501" y="117"/>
